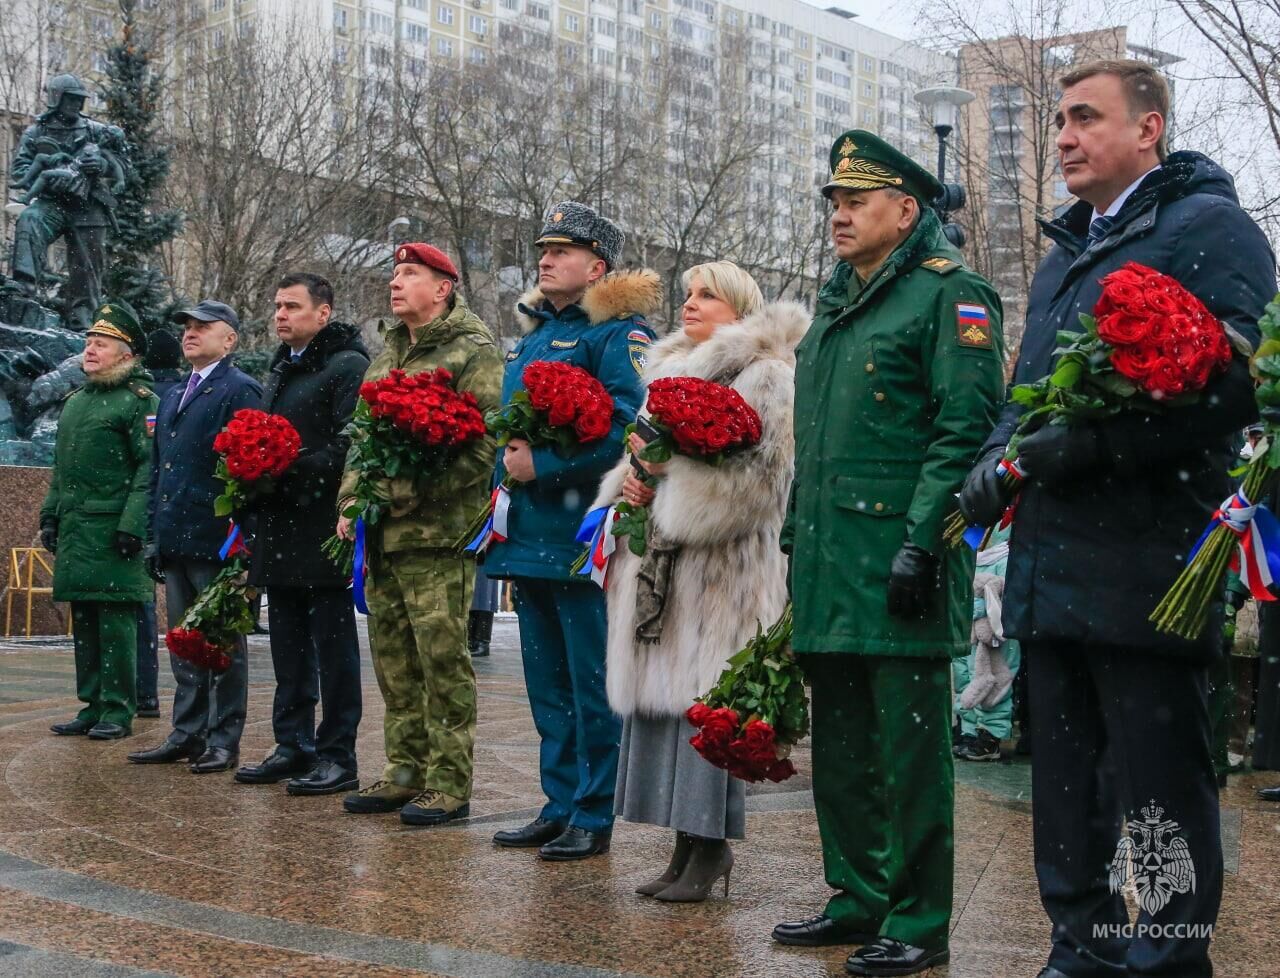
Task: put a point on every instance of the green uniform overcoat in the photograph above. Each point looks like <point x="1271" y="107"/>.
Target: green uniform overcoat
<point x="431" y="512"/>
<point x="897" y="384"/>
<point x="101" y="468"/>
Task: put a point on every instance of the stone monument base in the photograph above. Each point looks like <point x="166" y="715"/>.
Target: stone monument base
<point x="22" y="491"/>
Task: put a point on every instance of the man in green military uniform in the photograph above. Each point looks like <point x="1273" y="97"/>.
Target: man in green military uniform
<point x="897" y="384"/>
<point x="94" y="519"/>
<point x="417" y="587"/>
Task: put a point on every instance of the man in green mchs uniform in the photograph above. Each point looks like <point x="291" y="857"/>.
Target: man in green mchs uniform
<point x="94" y="519"/>
<point x="897" y="384"/>
<point x="417" y="587"/>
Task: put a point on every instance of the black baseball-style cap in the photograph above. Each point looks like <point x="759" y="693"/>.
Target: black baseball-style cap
<point x="209" y="311"/>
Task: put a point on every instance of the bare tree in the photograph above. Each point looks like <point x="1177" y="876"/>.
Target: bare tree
<point x="1238" y="118"/>
<point x="276" y="166"/>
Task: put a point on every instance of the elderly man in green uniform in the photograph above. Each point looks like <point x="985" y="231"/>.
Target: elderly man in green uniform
<point x="418" y="588"/>
<point x="94" y="519"/>
<point x="897" y="384"/>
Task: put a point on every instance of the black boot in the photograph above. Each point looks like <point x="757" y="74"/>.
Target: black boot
<point x="479" y="633"/>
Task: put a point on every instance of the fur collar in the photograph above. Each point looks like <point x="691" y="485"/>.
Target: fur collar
<point x="618" y="295"/>
<point x="112" y="377"/>
<point x="770" y="333"/>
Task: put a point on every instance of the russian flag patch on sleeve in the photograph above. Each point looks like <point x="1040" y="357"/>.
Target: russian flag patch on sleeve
<point x="973" y="325"/>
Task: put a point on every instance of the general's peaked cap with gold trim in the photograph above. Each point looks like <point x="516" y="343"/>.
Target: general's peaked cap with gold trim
<point x="116" y="318"/>
<point x="861" y="160"/>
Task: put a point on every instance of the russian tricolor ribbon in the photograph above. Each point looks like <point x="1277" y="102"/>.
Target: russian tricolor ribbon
<point x="974" y="535"/>
<point x="1257" y="556"/>
<point x="600" y="543"/>
<point x="234" y="545"/>
<point x="359" y="564"/>
<point x="495" y="527"/>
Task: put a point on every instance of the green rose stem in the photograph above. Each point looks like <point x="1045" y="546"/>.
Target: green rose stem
<point x="1185" y="609"/>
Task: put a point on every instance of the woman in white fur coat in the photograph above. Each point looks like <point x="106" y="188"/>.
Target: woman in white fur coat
<point x="711" y="574"/>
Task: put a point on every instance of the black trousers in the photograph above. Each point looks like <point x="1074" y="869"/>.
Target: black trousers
<point x="316" y="656"/>
<point x="1122" y="743"/>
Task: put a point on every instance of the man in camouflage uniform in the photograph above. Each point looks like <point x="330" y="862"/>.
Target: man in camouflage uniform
<point x="417" y="587"/>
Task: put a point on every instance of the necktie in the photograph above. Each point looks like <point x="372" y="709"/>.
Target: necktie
<point x="1100" y="227"/>
<point x="192" y="384"/>
<point x="296" y="358"/>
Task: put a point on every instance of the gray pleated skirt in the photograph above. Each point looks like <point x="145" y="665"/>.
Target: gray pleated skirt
<point x="664" y="781"/>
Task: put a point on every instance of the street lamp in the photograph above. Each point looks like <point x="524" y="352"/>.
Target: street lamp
<point x="399" y="222"/>
<point x="945" y="101"/>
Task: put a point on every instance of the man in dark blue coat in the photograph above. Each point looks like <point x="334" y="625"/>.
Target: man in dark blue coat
<point x="208" y="708"/>
<point x="579" y="314"/>
<point x="1103" y="527"/>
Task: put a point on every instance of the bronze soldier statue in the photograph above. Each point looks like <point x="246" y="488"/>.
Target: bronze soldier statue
<point x="76" y="205"/>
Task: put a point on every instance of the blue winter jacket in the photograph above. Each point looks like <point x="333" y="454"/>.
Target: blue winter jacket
<point x="606" y="334"/>
<point x="1090" y="557"/>
<point x="183" y="487"/>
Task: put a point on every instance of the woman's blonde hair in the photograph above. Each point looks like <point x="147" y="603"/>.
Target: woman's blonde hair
<point x="728" y="282"/>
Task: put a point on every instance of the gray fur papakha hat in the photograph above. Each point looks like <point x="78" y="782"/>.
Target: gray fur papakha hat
<point x="569" y="222"/>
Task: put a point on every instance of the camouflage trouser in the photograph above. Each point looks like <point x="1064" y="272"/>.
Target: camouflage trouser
<point x="418" y="603"/>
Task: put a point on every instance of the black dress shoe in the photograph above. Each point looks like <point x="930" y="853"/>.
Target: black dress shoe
<point x="215" y="759"/>
<point x="102" y="730"/>
<point x="172" y="750"/>
<point x="324" y="778"/>
<point x="148" y="708"/>
<point x="72" y="728"/>
<point x="821" y="931"/>
<point x="537" y="833"/>
<point x="889" y="957"/>
<point x="279" y="765"/>
<point x="575" y="843"/>
<point x="1269" y="794"/>
<point x="1048" y="972"/>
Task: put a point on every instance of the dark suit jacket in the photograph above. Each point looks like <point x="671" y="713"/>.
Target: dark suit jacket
<point x="183" y="486"/>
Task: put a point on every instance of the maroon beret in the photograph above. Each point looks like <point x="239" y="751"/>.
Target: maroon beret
<point x="419" y="253"/>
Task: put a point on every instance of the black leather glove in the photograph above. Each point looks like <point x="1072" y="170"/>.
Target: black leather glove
<point x="984" y="496"/>
<point x="127" y="545"/>
<point x="913" y="578"/>
<point x="1059" y="451"/>
<point x="49" y="535"/>
<point x="155" y="567"/>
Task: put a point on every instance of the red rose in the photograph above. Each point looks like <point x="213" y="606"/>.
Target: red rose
<point x="779" y="771"/>
<point x="697" y="714"/>
<point x="1165" y="379"/>
<point x="1124" y="329"/>
<point x="720" y="726"/>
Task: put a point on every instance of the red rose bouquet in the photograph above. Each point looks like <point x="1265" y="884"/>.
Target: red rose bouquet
<point x="756" y="712"/>
<point x="1150" y="344"/>
<point x="696" y="418"/>
<point x="404" y="424"/>
<point x="561" y="406"/>
<point x="220" y="614"/>
<point x="254" y="450"/>
<point x="1242" y="534"/>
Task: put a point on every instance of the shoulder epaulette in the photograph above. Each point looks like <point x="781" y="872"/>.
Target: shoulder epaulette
<point x="942" y="266"/>
<point x="142" y="390"/>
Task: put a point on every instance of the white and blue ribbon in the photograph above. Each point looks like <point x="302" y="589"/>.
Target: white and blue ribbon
<point x="600" y="543"/>
<point x="1257" y="557"/>
<point x="495" y="527"/>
